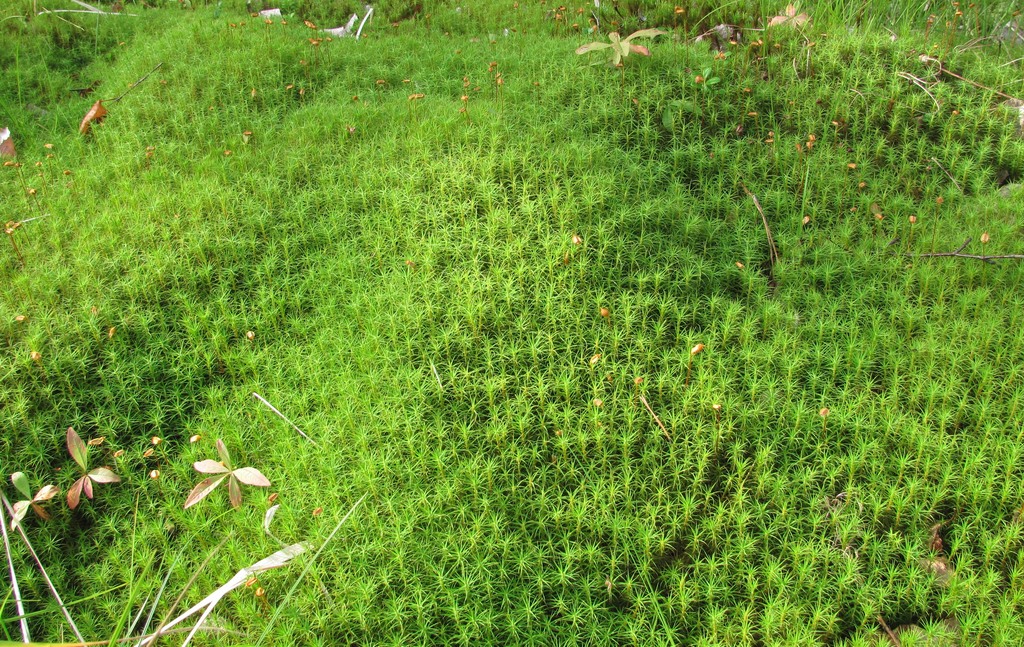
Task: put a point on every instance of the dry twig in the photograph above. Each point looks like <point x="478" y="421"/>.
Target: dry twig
<point x="655" y="416"/>
<point x="773" y="255"/>
<point x="958" y="253"/>
<point x="943" y="70"/>
<point x="892" y="636"/>
<point x="134" y="85"/>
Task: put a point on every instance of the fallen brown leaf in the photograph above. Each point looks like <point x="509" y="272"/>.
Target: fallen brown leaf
<point x="6" y="143"/>
<point x="96" y="114"/>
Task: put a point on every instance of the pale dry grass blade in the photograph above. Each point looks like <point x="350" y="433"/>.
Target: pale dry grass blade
<point x="207" y="604"/>
<point x="282" y="417"/>
<point x="23" y="622"/>
<point x="305" y="571"/>
<point x="46" y="576"/>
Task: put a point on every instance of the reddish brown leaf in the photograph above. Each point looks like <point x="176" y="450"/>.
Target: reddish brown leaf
<point x="103" y="475"/>
<point x="200" y="491"/>
<point x="251" y="476"/>
<point x="46" y="493"/>
<point x="87" y="486"/>
<point x="43" y="514"/>
<point x="234" y="492"/>
<point x="96" y="114"/>
<point x="209" y="467"/>
<point x="77" y="448"/>
<point x="75" y="493"/>
<point x="6" y="143"/>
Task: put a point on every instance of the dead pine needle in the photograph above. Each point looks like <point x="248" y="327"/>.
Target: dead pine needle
<point x="942" y="70"/>
<point x="655" y="416"/>
<point x="282" y="417"/>
<point x="951" y="178"/>
<point x="773" y="252"/>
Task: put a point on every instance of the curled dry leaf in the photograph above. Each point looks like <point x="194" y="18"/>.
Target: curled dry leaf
<point x="96" y="114"/>
<point x="6" y="143"/>
<point x="939" y="567"/>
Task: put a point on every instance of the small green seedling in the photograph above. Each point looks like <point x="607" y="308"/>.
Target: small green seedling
<point x="621" y="47"/>
<point x="223" y="470"/>
<point x="706" y="80"/>
<point x="21" y="508"/>
<point x="80" y="452"/>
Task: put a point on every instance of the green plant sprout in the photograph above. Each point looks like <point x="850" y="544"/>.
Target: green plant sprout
<point x="235" y="477"/>
<point x="80" y="453"/>
<point x="21" y="508"/>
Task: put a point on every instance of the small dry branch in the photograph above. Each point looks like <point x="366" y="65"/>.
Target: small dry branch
<point x="773" y="252"/>
<point x="943" y="70"/>
<point x="134" y="85"/>
<point x="958" y="253"/>
<point x="892" y="636"/>
<point x="655" y="416"/>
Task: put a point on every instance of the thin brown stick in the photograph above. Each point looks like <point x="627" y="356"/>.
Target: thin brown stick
<point x="921" y="84"/>
<point x="656" y="418"/>
<point x="951" y="179"/>
<point x="958" y="253"/>
<point x="943" y="70"/>
<point x="774" y="256"/>
<point x="892" y="636"/>
<point x="134" y="85"/>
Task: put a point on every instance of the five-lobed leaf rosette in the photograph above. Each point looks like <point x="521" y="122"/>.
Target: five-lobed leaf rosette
<point x="30" y="502"/>
<point x="221" y="470"/>
<point x="622" y="47"/>
<point x="80" y="453"/>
